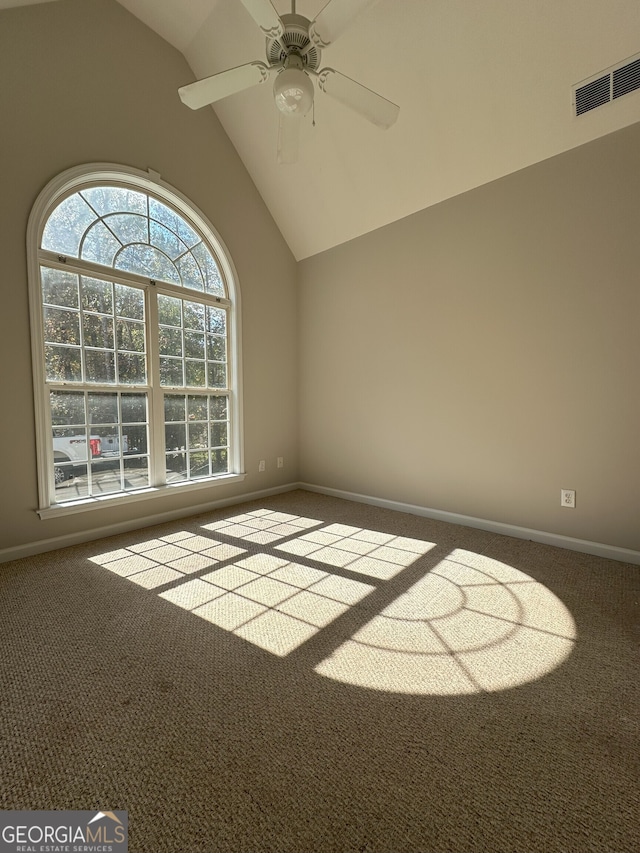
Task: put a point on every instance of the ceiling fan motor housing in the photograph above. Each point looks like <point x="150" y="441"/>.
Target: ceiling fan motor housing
<point x="294" y="40"/>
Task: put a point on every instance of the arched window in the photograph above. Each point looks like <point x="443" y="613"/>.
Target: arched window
<point x="135" y="316"/>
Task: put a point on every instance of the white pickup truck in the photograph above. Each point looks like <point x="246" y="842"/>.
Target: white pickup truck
<point x="72" y="448"/>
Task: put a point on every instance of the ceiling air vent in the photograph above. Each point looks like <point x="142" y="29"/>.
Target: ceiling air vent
<point x="593" y="95"/>
<point x="626" y="79"/>
<point x="607" y="86"/>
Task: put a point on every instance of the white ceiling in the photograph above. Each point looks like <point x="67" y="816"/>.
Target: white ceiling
<point x="484" y="89"/>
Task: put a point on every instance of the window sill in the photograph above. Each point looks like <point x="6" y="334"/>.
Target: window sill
<point x="126" y="498"/>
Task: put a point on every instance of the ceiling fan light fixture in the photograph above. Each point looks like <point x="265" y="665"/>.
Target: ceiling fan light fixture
<point x="293" y="92"/>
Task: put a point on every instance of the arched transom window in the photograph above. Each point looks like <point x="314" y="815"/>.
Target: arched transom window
<point x="135" y="341"/>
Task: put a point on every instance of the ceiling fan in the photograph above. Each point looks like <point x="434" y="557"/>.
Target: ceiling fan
<point x="294" y="46"/>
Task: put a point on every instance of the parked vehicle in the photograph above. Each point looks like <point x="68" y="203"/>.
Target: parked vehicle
<point x="110" y="445"/>
<point x="73" y="448"/>
<point x="70" y="453"/>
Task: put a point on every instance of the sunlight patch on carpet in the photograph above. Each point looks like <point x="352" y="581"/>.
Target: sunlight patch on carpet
<point x="471" y="625"/>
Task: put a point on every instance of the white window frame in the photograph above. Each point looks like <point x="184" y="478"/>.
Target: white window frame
<point x="62" y="186"/>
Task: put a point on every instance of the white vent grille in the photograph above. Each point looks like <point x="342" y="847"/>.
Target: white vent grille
<point x="626" y="79"/>
<point x="605" y="87"/>
<point x="593" y="95"/>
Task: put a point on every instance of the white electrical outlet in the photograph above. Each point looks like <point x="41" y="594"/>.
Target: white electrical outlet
<point x="262" y="465"/>
<point x="280" y="461"/>
<point x="568" y="498"/>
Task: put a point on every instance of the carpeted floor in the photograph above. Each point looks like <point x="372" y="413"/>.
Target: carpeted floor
<point x="308" y="674"/>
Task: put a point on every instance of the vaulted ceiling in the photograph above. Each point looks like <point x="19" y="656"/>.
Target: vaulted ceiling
<point x="484" y="89"/>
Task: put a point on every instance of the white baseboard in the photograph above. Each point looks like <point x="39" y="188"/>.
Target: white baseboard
<point x="55" y="542"/>
<point x="611" y="552"/>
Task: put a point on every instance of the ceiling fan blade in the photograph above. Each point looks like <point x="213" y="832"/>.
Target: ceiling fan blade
<point x="334" y="19"/>
<point x="288" y="139"/>
<point x="370" y="105"/>
<point x="265" y="17"/>
<point x="211" y="89"/>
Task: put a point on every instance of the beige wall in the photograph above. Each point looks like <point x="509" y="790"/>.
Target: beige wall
<point x="482" y="354"/>
<point x="84" y="81"/>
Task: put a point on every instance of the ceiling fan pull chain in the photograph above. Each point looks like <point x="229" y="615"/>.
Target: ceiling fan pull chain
<point x="313" y="113"/>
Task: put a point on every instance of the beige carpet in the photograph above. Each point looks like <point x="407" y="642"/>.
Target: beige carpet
<point x="308" y="674"/>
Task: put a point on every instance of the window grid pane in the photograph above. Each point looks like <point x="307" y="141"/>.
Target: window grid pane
<point x="192" y="342"/>
<point x="103" y="340"/>
<point x="100" y="442"/>
<point x="196" y="435"/>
